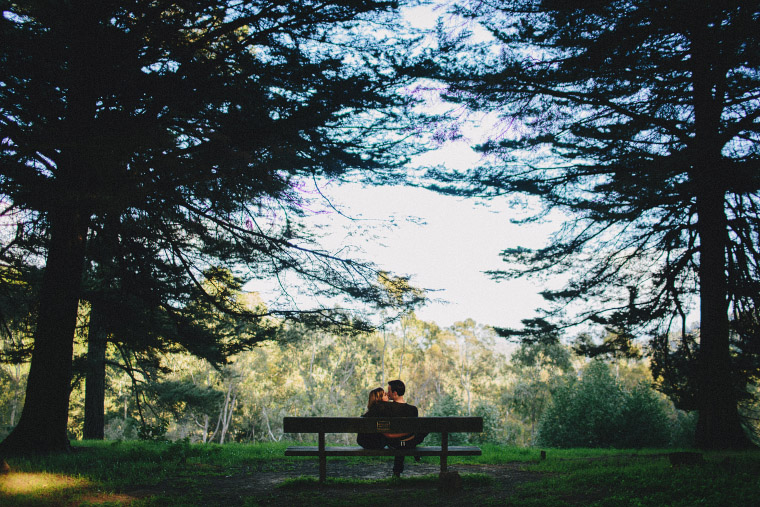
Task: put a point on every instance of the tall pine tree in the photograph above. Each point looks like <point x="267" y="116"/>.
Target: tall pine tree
<point x="189" y="117"/>
<point x="640" y="120"/>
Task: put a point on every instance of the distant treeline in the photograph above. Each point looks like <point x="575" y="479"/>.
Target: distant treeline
<point x="537" y="394"/>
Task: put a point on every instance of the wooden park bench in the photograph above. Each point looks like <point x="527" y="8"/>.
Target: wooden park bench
<point x="323" y="425"/>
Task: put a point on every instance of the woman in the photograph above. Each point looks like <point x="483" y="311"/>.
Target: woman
<point x="377" y="398"/>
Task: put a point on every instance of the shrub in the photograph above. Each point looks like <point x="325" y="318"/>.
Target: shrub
<point x="683" y="426"/>
<point x="118" y="428"/>
<point x="446" y="405"/>
<point x="643" y="421"/>
<point x="493" y="430"/>
<point x="597" y="412"/>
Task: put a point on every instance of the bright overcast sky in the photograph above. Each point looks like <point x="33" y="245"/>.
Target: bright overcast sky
<point x="442" y="243"/>
<point x="446" y="247"/>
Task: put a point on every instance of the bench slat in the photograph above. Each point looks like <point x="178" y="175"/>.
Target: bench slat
<point x="459" y="450"/>
<point x="382" y="425"/>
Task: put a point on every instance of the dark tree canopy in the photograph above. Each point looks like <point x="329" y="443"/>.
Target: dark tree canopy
<point x="640" y="121"/>
<point x="173" y="137"/>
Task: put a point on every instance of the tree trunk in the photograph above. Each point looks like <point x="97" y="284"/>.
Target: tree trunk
<point x="719" y="424"/>
<point x="16" y="378"/>
<point x="95" y="381"/>
<point x="403" y="350"/>
<point x="382" y="359"/>
<point x="226" y="413"/>
<point x="14" y="403"/>
<point x="44" y="418"/>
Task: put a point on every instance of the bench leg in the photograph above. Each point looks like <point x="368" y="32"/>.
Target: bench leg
<point x="322" y="459"/>
<point x="444" y="452"/>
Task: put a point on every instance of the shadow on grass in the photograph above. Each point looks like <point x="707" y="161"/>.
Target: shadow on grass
<point x="418" y="482"/>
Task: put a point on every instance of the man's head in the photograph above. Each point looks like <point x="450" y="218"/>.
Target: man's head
<point x="396" y="388"/>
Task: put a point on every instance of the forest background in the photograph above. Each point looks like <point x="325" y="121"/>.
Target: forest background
<point x="527" y="394"/>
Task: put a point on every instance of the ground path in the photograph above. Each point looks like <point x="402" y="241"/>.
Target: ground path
<point x="263" y="484"/>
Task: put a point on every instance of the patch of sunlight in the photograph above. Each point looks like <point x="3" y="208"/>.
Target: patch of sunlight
<point x="22" y="483"/>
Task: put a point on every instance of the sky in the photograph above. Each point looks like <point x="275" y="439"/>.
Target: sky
<point x="442" y="243"/>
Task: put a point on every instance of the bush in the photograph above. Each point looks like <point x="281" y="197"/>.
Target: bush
<point x="643" y="421"/>
<point x="157" y="431"/>
<point x="597" y="412"/>
<point x="493" y="430"/>
<point x="446" y="406"/>
<point x="683" y="426"/>
<point x="118" y="428"/>
<point x="5" y="430"/>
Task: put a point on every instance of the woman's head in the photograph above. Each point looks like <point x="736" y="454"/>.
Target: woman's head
<point x="376" y="395"/>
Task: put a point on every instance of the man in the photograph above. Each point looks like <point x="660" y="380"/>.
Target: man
<point x="400" y="408"/>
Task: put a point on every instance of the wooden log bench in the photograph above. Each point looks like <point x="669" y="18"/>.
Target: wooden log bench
<point x="323" y="425"/>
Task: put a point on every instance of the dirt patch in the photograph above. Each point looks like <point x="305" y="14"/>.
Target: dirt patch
<point x="264" y="485"/>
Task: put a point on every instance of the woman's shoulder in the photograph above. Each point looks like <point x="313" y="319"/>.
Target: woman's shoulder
<point x="379" y="409"/>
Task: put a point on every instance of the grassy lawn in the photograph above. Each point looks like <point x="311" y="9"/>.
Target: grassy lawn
<point x="581" y="477"/>
<point x="155" y="473"/>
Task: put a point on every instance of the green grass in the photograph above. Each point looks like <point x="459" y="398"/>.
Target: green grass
<point x="119" y="464"/>
<point x="109" y="473"/>
<point x="642" y="478"/>
<point x="98" y="470"/>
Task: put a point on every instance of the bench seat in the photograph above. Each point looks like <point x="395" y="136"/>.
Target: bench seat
<point x="435" y="450"/>
<point x="324" y="425"/>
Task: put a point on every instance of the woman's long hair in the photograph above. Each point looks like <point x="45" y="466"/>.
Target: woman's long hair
<point x="375" y="395"/>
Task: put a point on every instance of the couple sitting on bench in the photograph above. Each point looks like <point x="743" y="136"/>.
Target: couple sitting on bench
<point x="391" y="404"/>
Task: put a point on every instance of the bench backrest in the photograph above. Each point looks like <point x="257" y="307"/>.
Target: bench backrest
<point x="382" y="424"/>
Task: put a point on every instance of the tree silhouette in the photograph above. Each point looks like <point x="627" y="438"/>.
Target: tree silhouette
<point x="191" y="119"/>
<point x="639" y="121"/>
